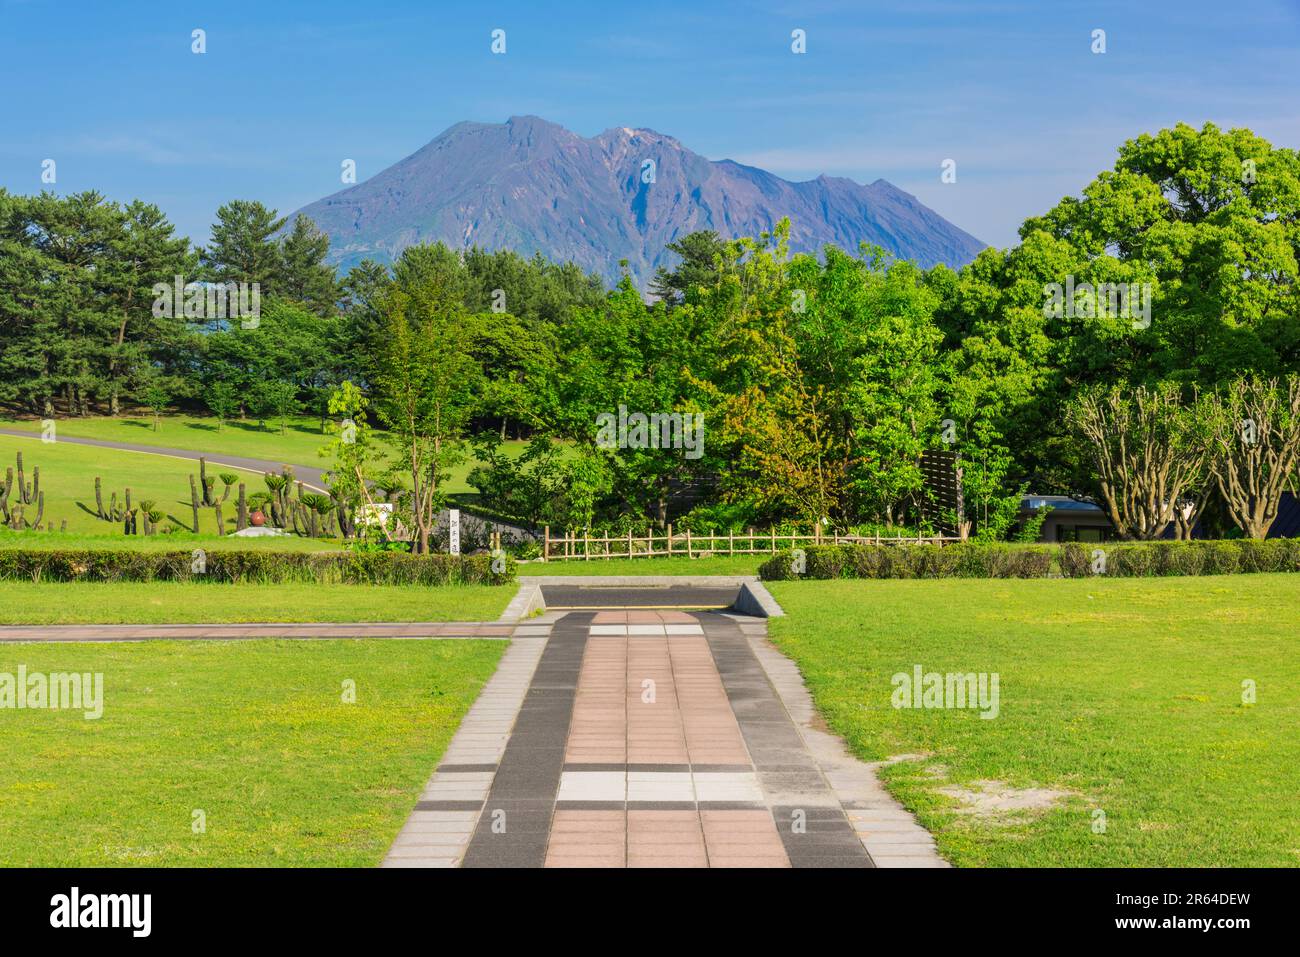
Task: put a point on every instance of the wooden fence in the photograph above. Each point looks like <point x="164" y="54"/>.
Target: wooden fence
<point x="583" y="546"/>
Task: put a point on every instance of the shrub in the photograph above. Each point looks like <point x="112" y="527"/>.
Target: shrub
<point x="1075" y="560"/>
<point x="326" y="568"/>
<point x="1218" y="557"/>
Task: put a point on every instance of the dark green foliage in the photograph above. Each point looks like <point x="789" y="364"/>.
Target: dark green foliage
<point x="326" y="568"/>
<point x="1072" y="560"/>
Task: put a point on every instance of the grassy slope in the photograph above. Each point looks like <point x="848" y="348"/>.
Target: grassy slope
<point x="299" y="445"/>
<point x="75" y="603"/>
<point x="254" y="734"/>
<point x="68" y="480"/>
<point x="1128" y="692"/>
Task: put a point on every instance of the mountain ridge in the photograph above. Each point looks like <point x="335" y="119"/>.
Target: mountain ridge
<point x="534" y="186"/>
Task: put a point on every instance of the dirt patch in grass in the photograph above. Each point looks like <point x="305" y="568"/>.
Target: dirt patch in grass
<point x="994" y="800"/>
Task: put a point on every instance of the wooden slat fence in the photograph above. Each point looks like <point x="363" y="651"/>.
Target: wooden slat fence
<point x="584" y="546"/>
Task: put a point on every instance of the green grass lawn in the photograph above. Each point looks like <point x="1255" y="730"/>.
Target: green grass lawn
<point x="299" y="444"/>
<point x="79" y="603"/>
<point x="1125" y="694"/>
<point x="68" y="480"/>
<point x="717" y="565"/>
<point x="255" y="735"/>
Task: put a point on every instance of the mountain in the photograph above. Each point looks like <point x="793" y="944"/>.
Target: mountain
<point x="533" y="186"/>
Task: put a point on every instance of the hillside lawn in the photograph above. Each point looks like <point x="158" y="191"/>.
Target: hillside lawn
<point x="68" y="480"/>
<point x="254" y="734"/>
<point x="299" y="445"/>
<point x="109" y="603"/>
<point x="1125" y="694"/>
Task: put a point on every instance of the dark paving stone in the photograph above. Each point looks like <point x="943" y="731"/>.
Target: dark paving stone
<point x="677" y="596"/>
<point x="778" y="752"/>
<point x="449" y="805"/>
<point x="528" y="776"/>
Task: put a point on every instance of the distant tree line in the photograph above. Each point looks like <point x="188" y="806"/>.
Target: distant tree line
<point x="1113" y="353"/>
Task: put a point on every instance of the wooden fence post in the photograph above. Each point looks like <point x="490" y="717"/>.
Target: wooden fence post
<point x="670" y="539"/>
<point x="688" y="544"/>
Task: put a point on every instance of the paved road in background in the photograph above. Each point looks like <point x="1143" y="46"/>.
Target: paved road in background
<point x="309" y="476"/>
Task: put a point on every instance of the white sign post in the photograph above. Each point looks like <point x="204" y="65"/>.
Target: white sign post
<point x="453" y="531"/>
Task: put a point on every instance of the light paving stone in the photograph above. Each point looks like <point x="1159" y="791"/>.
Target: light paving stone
<point x="593" y="786"/>
<point x="723" y="786"/>
<point x="420" y="862"/>
<point x="439" y="838"/>
<point x="660" y="786"/>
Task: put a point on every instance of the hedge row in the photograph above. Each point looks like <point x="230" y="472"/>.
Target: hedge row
<point x="266" y="567"/>
<point x="970" y="560"/>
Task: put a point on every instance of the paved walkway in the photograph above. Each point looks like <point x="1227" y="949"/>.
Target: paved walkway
<point x="428" y="629"/>
<point x="651" y="738"/>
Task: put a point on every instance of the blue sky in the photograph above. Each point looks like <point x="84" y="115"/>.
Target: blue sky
<point x="286" y="91"/>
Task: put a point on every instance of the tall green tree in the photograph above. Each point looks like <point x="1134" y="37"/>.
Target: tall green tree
<point x="304" y="275"/>
<point x="243" y="246"/>
<point x="427" y="387"/>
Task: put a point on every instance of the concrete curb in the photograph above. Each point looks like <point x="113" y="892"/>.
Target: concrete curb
<point x="527" y="601"/>
<point x="757" y="601"/>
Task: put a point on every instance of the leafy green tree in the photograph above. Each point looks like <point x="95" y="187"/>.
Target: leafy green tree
<point x="702" y="254"/>
<point x="223" y="400"/>
<point x="427" y="384"/>
<point x="279" y="399"/>
<point x="304" y="276"/>
<point x="76" y="312"/>
<point x="156" y="398"/>
<point x="243" y="247"/>
<point x="1212" y="219"/>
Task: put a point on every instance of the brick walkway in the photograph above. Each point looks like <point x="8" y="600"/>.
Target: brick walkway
<point x="651" y="739"/>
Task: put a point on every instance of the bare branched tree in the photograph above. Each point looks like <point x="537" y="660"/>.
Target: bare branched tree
<point x="1150" y="457"/>
<point x="1256" y="446"/>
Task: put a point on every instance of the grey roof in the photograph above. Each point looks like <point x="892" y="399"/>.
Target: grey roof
<point x="1063" y="503"/>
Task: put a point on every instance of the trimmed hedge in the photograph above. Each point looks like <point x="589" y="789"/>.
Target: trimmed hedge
<point x="263" y="567"/>
<point x="971" y="560"/>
